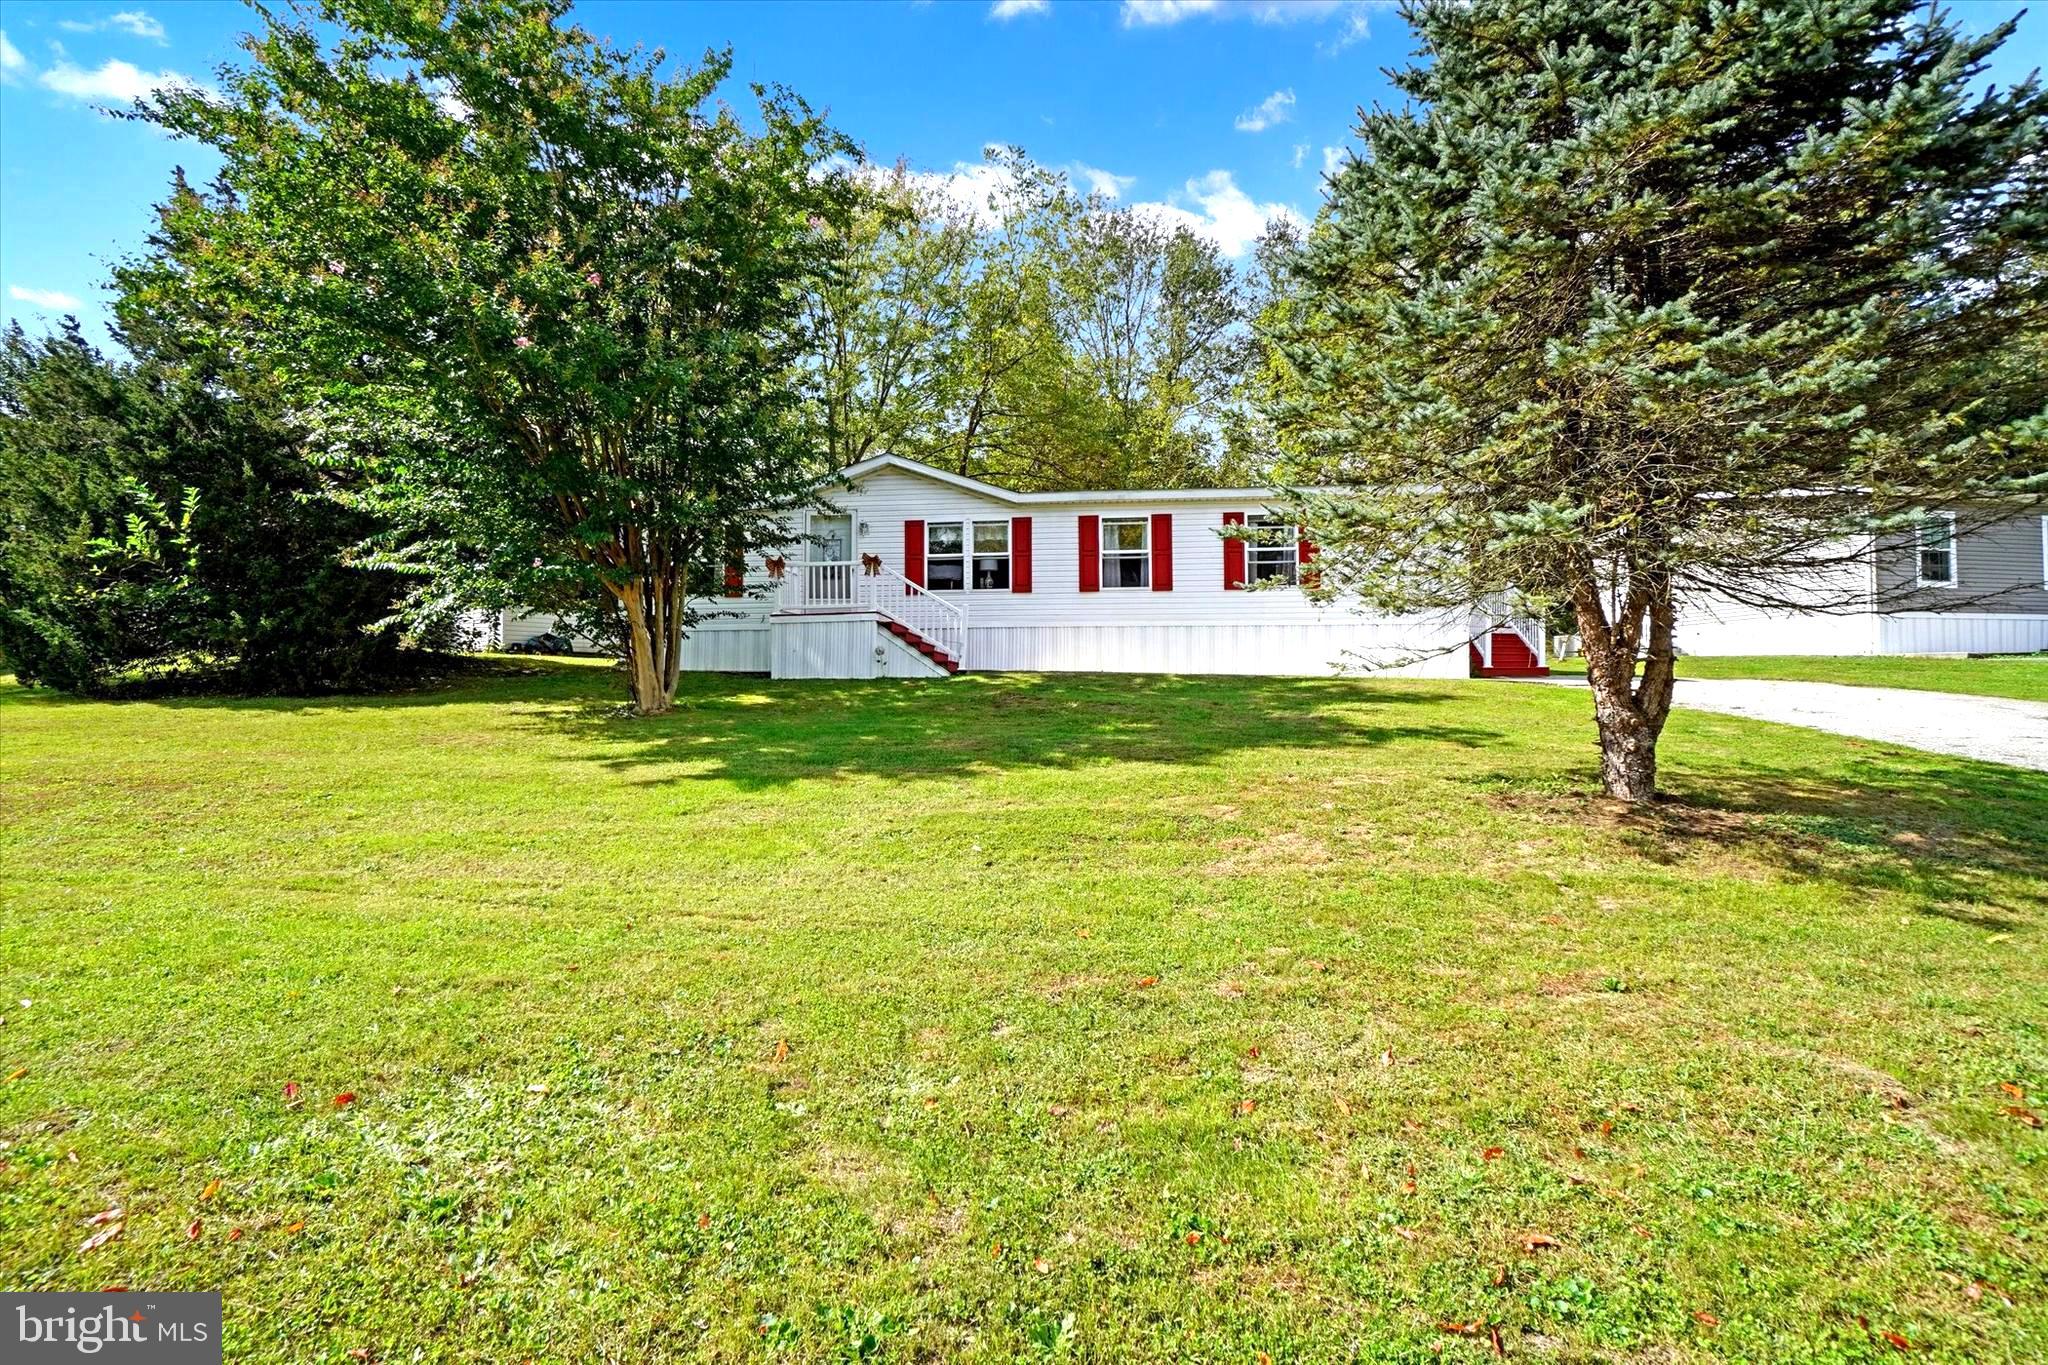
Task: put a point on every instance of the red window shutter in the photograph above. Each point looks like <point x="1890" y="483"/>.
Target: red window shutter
<point x="913" y="552"/>
<point x="1020" y="554"/>
<point x="1091" y="554"/>
<point x="1305" y="554"/>
<point x="1162" y="552"/>
<point x="1233" y="553"/>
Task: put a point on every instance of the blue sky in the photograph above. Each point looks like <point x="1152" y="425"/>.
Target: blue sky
<point x="1221" y="112"/>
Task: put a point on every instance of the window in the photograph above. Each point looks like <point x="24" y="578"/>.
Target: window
<point x="1272" y="553"/>
<point x="945" y="560"/>
<point x="1938" y="551"/>
<point x="992" y="555"/>
<point x="1126" y="552"/>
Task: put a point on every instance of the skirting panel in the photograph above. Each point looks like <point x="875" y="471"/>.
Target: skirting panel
<point x="1981" y="632"/>
<point x="1402" y="648"/>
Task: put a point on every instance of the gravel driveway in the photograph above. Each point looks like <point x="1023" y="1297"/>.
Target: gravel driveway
<point x="1989" y="728"/>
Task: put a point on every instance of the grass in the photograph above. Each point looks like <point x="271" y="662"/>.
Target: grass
<point x="2022" y="677"/>
<point x="1020" y="1017"/>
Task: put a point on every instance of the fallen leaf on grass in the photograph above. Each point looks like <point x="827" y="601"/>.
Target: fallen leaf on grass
<point x="1343" y="1105"/>
<point x="359" y="1353"/>
<point x="1387" y="1057"/>
<point x="781" y="1050"/>
<point x="291" y="1092"/>
<point x="2024" y="1115"/>
<point x="16" y="1074"/>
<point x="212" y="1189"/>
<point x="1462" y="1329"/>
<point x="1491" y="1154"/>
<point x="1041" y="1265"/>
<point x="294" y="1228"/>
<point x="2015" y="1091"/>
<point x="234" y="1234"/>
<point x="1537" y="1241"/>
<point x="1145" y="982"/>
<point x="537" y="1088"/>
<point x="1194" y="1238"/>
<point x="1253" y="1052"/>
<point x="1247" y="1106"/>
<point x="1704" y="1318"/>
<point x="193" y="1230"/>
<point x="1405" y="1234"/>
<point x="112" y="1215"/>
<point x="1058" y="1111"/>
<point x="1083" y="933"/>
<point x="101" y="1238"/>
<point x="1897" y="1341"/>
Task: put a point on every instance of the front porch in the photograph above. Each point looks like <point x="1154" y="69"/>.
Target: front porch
<point x="851" y="619"/>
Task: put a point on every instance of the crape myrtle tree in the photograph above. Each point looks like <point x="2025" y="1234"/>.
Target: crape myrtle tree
<point x="1637" y="300"/>
<point x="540" y="297"/>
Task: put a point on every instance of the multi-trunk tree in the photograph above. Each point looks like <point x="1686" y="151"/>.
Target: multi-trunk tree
<point x="541" y="298"/>
<point x="1641" y="300"/>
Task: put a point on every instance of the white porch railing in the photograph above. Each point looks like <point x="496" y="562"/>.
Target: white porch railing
<point x="933" y="617"/>
<point x="821" y="586"/>
<point x="835" y="585"/>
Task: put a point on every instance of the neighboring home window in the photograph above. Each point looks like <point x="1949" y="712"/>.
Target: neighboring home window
<point x="1126" y="552"/>
<point x="992" y="555"/>
<point x="1274" y="552"/>
<point x="945" y="560"/>
<point x="1938" y="551"/>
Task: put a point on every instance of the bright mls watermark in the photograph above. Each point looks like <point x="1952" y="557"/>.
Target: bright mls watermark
<point x="164" y="1329"/>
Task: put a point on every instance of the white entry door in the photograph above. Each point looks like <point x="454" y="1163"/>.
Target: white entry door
<point x="828" y="567"/>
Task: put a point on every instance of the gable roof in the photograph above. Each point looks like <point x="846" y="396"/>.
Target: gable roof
<point x="998" y="493"/>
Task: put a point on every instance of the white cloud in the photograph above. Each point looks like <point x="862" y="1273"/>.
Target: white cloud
<point x="55" y="300"/>
<point x="127" y="21"/>
<point x="1154" y="13"/>
<point x="1162" y="13"/>
<point x="117" y="81"/>
<point x="1010" y="9"/>
<point x="1333" y="157"/>
<point x="1108" y="184"/>
<point x="1214" y="207"/>
<point x="12" y="63"/>
<point x="1276" y="108"/>
<point x="1356" y="30"/>
<point x="1300" y="154"/>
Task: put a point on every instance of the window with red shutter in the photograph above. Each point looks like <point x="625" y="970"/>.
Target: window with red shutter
<point x="1233" y="554"/>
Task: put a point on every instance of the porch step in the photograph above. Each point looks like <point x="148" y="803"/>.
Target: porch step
<point x="1512" y="658"/>
<point x="922" y="645"/>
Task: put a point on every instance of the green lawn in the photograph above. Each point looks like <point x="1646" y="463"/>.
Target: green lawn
<point x="2023" y="677"/>
<point x="1020" y="1017"/>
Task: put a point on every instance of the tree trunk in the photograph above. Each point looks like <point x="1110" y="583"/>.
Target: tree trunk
<point x="647" y="671"/>
<point x="1628" y="712"/>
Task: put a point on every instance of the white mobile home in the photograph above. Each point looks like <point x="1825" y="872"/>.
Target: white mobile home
<point x="919" y="572"/>
<point x="1969" y="584"/>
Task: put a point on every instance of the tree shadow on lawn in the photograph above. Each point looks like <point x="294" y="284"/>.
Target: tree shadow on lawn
<point x="757" y="734"/>
<point x="1950" y="833"/>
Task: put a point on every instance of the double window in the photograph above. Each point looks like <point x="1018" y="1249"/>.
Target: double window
<point x="948" y="563"/>
<point x="1126" y="552"/>
<point x="1273" y="555"/>
<point x="1938" y="550"/>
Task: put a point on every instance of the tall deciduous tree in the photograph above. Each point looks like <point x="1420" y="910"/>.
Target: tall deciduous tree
<point x="546" y="301"/>
<point x="1643" y="299"/>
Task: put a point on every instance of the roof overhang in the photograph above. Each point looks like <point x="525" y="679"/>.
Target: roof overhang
<point x="997" y="493"/>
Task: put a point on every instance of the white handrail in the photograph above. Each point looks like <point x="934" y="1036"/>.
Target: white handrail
<point x="819" y="583"/>
<point x="940" y="623"/>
